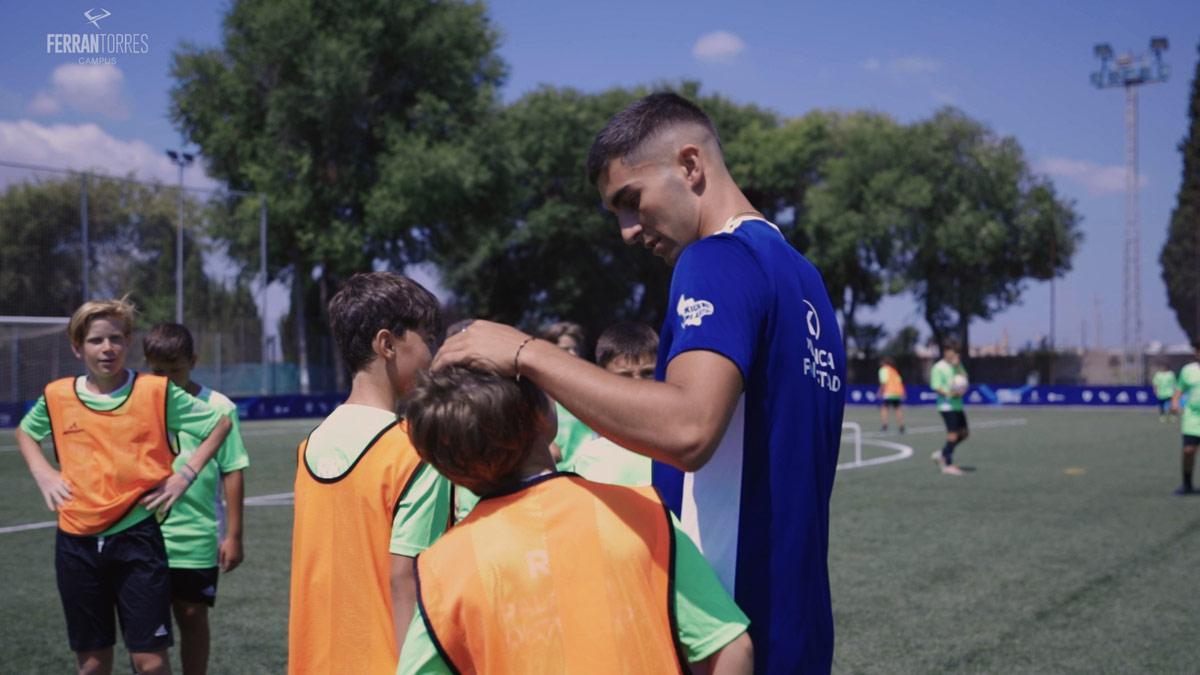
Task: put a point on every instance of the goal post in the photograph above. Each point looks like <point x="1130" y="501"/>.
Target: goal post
<point x="33" y="351"/>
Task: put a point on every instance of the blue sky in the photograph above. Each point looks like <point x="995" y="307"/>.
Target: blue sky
<point x="1021" y="68"/>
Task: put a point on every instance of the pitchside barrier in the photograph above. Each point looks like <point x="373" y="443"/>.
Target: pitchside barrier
<point x="320" y="405"/>
<point x="982" y="394"/>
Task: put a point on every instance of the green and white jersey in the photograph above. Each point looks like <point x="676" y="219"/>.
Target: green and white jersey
<point x="707" y="618"/>
<point x="1189" y="384"/>
<point x="424" y="507"/>
<point x="1164" y="384"/>
<point x="571" y="434"/>
<point x="603" y="461"/>
<point x="941" y="378"/>
<point x="191" y="530"/>
<point x="186" y="414"/>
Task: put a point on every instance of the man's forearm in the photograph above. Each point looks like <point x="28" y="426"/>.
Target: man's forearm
<point x="667" y="421"/>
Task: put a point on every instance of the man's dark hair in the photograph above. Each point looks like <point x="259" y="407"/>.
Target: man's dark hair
<point x="370" y="302"/>
<point x="628" y="339"/>
<point x="888" y="361"/>
<point x="167" y="342"/>
<point x="633" y="126"/>
<point x="950" y="344"/>
<point x="474" y="426"/>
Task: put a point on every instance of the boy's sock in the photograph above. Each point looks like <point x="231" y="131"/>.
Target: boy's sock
<point x="948" y="452"/>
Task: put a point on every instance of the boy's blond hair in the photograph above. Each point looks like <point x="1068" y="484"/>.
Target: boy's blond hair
<point x="119" y="310"/>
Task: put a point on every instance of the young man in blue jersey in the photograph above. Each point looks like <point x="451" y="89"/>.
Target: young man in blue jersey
<point x="745" y="417"/>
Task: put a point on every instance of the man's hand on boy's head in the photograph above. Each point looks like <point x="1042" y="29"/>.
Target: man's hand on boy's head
<point x="54" y="489"/>
<point x="482" y="341"/>
<point x="165" y="494"/>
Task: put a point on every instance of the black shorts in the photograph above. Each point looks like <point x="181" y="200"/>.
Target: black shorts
<point x="956" y="420"/>
<point x="1164" y="405"/>
<point x="198" y="586"/>
<point x="1189" y="439"/>
<point x="127" y="570"/>
<point x="893" y="402"/>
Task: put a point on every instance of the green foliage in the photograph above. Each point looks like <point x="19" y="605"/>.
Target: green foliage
<point x="322" y="106"/>
<point x="982" y="223"/>
<point x="1180" y="257"/>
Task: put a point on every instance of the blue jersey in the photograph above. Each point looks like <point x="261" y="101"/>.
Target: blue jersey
<point x="759" y="509"/>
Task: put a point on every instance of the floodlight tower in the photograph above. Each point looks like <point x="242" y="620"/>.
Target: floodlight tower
<point x="1130" y="71"/>
<point x="182" y="160"/>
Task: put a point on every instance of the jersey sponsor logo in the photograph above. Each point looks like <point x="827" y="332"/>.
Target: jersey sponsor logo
<point x="819" y="365"/>
<point x="812" y="321"/>
<point x="693" y="311"/>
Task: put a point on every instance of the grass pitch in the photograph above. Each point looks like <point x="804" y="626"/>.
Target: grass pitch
<point x="1063" y="551"/>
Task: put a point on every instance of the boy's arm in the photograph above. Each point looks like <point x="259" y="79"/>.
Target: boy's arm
<point x="49" y="481"/>
<point x="229" y="556"/>
<point x="170" y="490"/>
<point x="404" y="595"/>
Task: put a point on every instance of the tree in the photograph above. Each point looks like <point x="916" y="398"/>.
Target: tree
<point x="855" y="216"/>
<point x="988" y="224"/>
<point x="1180" y="257"/>
<point x="315" y="103"/>
<point x="546" y="250"/>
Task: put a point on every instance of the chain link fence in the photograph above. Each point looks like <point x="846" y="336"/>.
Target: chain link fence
<point x="68" y="236"/>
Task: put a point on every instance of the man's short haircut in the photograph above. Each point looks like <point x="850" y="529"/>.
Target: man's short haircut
<point x="554" y="331"/>
<point x="167" y="342"/>
<point x="629" y="129"/>
<point x="474" y="426"/>
<point x="950" y="344"/>
<point x="119" y="310"/>
<point x="888" y="361"/>
<point x="373" y="301"/>
<point x="628" y="339"/>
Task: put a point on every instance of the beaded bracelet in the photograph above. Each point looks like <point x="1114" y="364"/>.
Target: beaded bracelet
<point x="517" y="356"/>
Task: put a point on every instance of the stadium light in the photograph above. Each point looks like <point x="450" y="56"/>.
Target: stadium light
<point x="1129" y="71"/>
<point x="182" y="160"/>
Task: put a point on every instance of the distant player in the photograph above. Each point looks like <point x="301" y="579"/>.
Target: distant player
<point x="1189" y="386"/>
<point x="191" y="532"/>
<point x="552" y="573"/>
<point x="110" y="429"/>
<point x="366" y="504"/>
<point x="1164" y="389"/>
<point x="572" y="433"/>
<point x="948" y="379"/>
<point x="629" y="350"/>
<point x="891" y="393"/>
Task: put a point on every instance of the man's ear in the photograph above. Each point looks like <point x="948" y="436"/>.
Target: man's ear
<point x="691" y="163"/>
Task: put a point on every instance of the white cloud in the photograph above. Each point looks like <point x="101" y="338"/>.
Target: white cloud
<point x="88" y="89"/>
<point x="87" y="147"/>
<point x="1097" y="179"/>
<point x="718" y="47"/>
<point x="903" y="65"/>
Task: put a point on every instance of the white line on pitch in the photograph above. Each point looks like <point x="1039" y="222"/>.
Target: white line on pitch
<point x="905" y="451"/>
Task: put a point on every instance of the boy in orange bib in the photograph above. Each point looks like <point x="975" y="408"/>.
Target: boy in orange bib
<point x="366" y="504"/>
<point x="552" y="573"/>
<point x="110" y="431"/>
